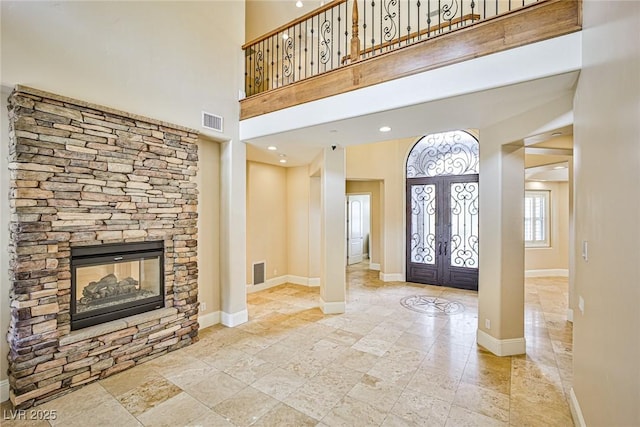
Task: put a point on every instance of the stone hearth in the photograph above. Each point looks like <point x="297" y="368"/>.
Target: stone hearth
<point x="81" y="175"/>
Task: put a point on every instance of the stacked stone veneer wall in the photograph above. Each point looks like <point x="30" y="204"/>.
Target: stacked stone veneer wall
<point x="81" y="174"/>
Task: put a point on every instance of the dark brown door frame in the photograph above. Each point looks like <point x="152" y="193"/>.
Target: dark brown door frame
<point x="441" y="272"/>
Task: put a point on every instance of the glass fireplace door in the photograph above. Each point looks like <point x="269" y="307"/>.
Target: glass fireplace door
<point x="114" y="281"/>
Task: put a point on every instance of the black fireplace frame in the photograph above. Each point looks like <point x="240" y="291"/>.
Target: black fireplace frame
<point x="84" y="256"/>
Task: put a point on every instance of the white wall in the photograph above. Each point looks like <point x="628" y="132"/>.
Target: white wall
<point x="266" y="15"/>
<point x="556" y="256"/>
<point x="372" y="188"/>
<point x="606" y="351"/>
<point x="208" y="180"/>
<point x="298" y="205"/>
<point x="165" y="60"/>
<point x="384" y="162"/>
<point x="267" y="224"/>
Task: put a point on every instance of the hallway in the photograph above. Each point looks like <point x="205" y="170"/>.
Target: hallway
<point x="378" y="364"/>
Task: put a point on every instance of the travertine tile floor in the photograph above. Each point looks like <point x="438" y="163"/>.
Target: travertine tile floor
<point x="377" y="364"/>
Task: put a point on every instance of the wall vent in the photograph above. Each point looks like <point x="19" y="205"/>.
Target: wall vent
<point x="211" y="121"/>
<point x="258" y="273"/>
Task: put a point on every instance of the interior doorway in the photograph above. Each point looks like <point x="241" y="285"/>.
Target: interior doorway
<point x="358" y="227"/>
<point x="442" y="210"/>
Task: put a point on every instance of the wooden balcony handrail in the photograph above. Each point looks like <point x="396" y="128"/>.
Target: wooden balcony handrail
<point x="295" y="22"/>
<point x="331" y="37"/>
<point x="363" y="53"/>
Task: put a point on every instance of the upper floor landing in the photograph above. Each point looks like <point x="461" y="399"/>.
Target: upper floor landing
<point x="348" y="45"/>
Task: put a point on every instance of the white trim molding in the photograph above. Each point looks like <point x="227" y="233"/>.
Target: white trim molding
<point x="234" y="319"/>
<point x="281" y="280"/>
<point x="270" y="283"/>
<point x="304" y="281"/>
<point x="209" y="319"/>
<point x="4" y="390"/>
<point x="508" y="347"/>
<point x="374" y="266"/>
<point x="314" y="282"/>
<point x="297" y="280"/>
<point x="552" y="272"/>
<point x="392" y="277"/>
<point x="570" y="314"/>
<point x="576" y="412"/>
<point x="337" y="307"/>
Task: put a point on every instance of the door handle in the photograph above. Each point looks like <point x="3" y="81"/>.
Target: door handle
<point x="439" y="248"/>
<point x="445" y="248"/>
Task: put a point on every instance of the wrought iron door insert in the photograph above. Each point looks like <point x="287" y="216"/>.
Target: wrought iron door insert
<point x="442" y="211"/>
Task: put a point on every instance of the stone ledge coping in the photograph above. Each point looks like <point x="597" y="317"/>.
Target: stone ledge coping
<point x="116" y="325"/>
<point x="44" y="94"/>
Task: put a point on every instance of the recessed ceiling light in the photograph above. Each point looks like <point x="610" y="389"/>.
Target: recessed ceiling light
<point x="283" y="160"/>
<point x="299" y="3"/>
<point x="283" y="155"/>
<point x="272" y="148"/>
<point x="556" y="134"/>
<point x="285" y="36"/>
<point x="560" y="167"/>
<point x="385" y="129"/>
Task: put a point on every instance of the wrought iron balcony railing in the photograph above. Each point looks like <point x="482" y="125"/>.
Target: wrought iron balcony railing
<point x="346" y="31"/>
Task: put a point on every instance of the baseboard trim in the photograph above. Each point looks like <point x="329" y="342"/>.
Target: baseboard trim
<point x="281" y="280"/>
<point x="508" y="347"/>
<point x="576" y="412"/>
<point x="552" y="272"/>
<point x="304" y="281"/>
<point x="270" y="283"/>
<point x="314" y="282"/>
<point x="234" y="319"/>
<point x="374" y="266"/>
<point x="570" y="315"/>
<point x="392" y="277"/>
<point x="297" y="280"/>
<point x="4" y="390"/>
<point x="209" y="319"/>
<point x="333" y="307"/>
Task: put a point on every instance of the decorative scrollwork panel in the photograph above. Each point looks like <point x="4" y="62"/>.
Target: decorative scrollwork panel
<point x="326" y="29"/>
<point x="446" y="153"/>
<point x="464" y="224"/>
<point x="423" y="224"/>
<point x="390" y="27"/>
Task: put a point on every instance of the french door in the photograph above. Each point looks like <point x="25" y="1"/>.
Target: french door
<point x="442" y="230"/>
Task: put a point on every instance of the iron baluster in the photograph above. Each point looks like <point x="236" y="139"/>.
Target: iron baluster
<point x="418" y="18"/>
<point x="364" y="24"/>
<point x="339" y="38"/>
<point x="332" y="38"/>
<point x="306" y="49"/>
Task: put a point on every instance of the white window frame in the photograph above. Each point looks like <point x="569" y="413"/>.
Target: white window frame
<point x="533" y="218"/>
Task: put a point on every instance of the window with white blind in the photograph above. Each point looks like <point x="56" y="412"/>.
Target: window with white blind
<point x="536" y="218"/>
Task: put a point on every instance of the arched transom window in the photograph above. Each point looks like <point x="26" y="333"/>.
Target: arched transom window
<point x="445" y="153"/>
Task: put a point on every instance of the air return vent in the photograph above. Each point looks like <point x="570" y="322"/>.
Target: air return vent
<point x="211" y="121"/>
<point x="258" y="273"/>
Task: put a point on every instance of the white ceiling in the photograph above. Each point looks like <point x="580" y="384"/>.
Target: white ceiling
<point x="475" y="110"/>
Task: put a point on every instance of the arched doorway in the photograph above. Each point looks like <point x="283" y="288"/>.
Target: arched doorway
<point x="442" y="210"/>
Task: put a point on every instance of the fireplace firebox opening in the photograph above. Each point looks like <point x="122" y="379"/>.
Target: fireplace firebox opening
<point x="113" y="281"/>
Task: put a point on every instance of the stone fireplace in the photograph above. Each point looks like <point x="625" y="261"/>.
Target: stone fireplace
<point x="103" y="242"/>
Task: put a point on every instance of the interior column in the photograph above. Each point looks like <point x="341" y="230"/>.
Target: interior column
<point x="501" y="274"/>
<point x="333" y="233"/>
<point x="233" y="251"/>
